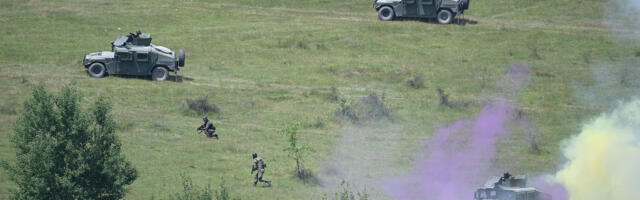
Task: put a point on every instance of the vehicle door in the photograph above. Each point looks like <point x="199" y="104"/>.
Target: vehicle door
<point x="410" y="8"/>
<point x="125" y="63"/>
<point x="427" y="8"/>
<point x="143" y="62"/>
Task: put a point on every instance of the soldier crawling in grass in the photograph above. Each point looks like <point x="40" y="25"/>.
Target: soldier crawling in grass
<point x="259" y="165"/>
<point x="208" y="128"/>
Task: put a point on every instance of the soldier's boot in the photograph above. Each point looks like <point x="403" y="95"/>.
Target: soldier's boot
<point x="255" y="183"/>
<point x="269" y="183"/>
<point x="215" y="136"/>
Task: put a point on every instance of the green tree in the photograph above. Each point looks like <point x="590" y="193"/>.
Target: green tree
<point x="296" y="151"/>
<point x="66" y="152"/>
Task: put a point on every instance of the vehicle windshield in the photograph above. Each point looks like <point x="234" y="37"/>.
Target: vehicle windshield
<point x="120" y="41"/>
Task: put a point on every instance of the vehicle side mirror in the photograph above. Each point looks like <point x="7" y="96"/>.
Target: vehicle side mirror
<point x="112" y="46"/>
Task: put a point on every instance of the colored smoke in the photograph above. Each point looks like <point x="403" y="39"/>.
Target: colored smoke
<point x="623" y="18"/>
<point x="612" y="82"/>
<point x="460" y="155"/>
<point x="362" y="156"/>
<point x="604" y="159"/>
<point x="447" y="172"/>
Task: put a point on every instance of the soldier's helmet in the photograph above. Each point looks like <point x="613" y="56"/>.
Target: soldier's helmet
<point x="205" y="118"/>
<point x="138" y="32"/>
<point x="254" y="155"/>
<point x="507" y="175"/>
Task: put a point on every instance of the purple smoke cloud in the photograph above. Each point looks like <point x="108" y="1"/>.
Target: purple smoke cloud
<point x="446" y="173"/>
<point x="457" y="160"/>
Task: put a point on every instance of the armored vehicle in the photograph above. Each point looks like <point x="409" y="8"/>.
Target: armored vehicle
<point x="134" y="55"/>
<point x="443" y="10"/>
<point x="508" y="187"/>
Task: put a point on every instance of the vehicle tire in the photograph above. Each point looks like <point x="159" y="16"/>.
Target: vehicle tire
<point x="181" y="56"/>
<point x="159" y="74"/>
<point x="386" y="13"/>
<point x="465" y="4"/>
<point x="445" y="16"/>
<point x="97" y="70"/>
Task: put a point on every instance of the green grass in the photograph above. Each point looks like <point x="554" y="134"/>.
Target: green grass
<point x="267" y="63"/>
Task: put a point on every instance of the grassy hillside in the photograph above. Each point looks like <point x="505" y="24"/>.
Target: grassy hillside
<point x="267" y="63"/>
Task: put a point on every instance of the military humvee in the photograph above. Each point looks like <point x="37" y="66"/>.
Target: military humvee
<point x="508" y="187"/>
<point x="443" y="10"/>
<point x="134" y="55"/>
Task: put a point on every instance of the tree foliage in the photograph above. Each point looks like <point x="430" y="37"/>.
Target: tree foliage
<point x="66" y="152"/>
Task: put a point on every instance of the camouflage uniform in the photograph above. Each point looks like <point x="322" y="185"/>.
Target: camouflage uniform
<point x="209" y="129"/>
<point x="259" y="165"/>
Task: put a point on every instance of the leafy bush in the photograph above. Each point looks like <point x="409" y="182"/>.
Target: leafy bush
<point x="66" y="152"/>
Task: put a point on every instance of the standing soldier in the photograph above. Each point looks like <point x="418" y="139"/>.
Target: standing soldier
<point x="258" y="164"/>
<point x="208" y="128"/>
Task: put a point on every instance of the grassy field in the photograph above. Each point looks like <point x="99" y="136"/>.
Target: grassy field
<point x="267" y="63"/>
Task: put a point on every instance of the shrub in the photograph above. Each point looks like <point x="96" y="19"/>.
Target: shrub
<point x="368" y="108"/>
<point x="66" y="152"/>
<point x="587" y="58"/>
<point x="334" y="95"/>
<point x="533" y="142"/>
<point x="201" y="105"/>
<point x="444" y="100"/>
<point x="297" y="152"/>
<point x="318" y="123"/>
<point x="416" y="82"/>
<point x="534" y="53"/>
<point x="347" y="110"/>
<point x="191" y="192"/>
<point x="373" y="108"/>
<point x="346" y="193"/>
<point x="484" y="77"/>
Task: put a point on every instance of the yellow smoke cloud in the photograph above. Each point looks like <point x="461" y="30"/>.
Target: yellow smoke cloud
<point x="604" y="159"/>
